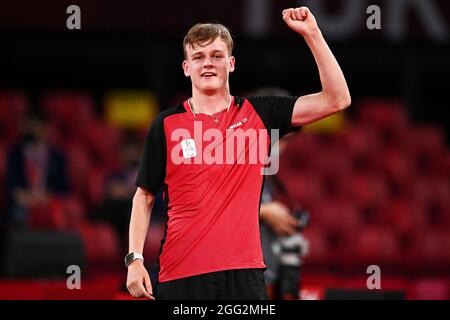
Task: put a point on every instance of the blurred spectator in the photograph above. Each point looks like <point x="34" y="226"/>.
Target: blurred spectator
<point x="282" y="243"/>
<point x="119" y="189"/>
<point x="36" y="175"/>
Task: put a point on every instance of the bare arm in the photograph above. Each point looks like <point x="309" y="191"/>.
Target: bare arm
<point x="140" y="219"/>
<point x="335" y="95"/>
<point x="138" y="280"/>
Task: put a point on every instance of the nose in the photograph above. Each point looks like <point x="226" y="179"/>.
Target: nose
<point x="208" y="62"/>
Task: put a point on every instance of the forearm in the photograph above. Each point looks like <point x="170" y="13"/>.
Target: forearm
<point x="140" y="220"/>
<point x="334" y="86"/>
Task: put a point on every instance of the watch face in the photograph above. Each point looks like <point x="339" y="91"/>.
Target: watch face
<point x="129" y="258"/>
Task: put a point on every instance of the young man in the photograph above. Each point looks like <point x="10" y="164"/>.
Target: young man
<point x="211" y="248"/>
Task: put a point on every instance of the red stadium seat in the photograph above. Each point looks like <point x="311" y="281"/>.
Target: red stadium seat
<point x="58" y="213"/>
<point x="42" y="217"/>
<point x="431" y="189"/>
<point x="79" y="165"/>
<point x="335" y="166"/>
<point x="427" y="145"/>
<point x="85" y="178"/>
<point x="358" y="140"/>
<point x="318" y="254"/>
<point x="336" y="221"/>
<point x="376" y="245"/>
<point x="398" y="166"/>
<point x="362" y="147"/>
<point x="101" y="244"/>
<point x="383" y="113"/>
<point x="47" y="215"/>
<point x="429" y="250"/>
<point x="305" y="188"/>
<point x="437" y="212"/>
<point x="387" y="118"/>
<point x="427" y="139"/>
<point x="68" y="106"/>
<point x="299" y="153"/>
<point x="368" y="190"/>
<point x="335" y="215"/>
<point x="406" y="216"/>
<point x="103" y="142"/>
<point x="72" y="111"/>
<point x="95" y="188"/>
<point x="74" y="212"/>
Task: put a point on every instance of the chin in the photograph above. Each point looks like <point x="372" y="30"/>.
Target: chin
<point x="210" y="88"/>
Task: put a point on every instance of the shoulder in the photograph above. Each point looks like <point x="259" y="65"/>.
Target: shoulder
<point x="158" y="121"/>
<point x="170" y="111"/>
<point x="254" y="101"/>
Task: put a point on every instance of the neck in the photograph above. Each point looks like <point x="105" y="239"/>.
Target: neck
<point x="211" y="103"/>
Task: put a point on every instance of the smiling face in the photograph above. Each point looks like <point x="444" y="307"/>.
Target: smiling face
<point x="208" y="65"/>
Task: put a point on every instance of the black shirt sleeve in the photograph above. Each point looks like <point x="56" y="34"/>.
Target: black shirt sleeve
<point x="275" y="112"/>
<point x="152" y="170"/>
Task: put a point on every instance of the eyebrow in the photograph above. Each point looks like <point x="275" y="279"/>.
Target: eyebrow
<point x="201" y="52"/>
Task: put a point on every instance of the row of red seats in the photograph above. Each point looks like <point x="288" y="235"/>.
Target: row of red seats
<point x="72" y="122"/>
<point x="378" y="192"/>
<point x="102" y="245"/>
<point x="425" y="200"/>
<point x="428" y="251"/>
<point x="354" y="149"/>
<point x="91" y="147"/>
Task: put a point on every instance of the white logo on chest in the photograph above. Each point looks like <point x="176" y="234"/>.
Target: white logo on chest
<point x="188" y="147"/>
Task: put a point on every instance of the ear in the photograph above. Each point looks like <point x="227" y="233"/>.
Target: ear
<point x="185" y="66"/>
<point x="232" y="63"/>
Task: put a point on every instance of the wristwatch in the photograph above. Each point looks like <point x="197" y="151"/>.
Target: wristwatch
<point x="129" y="258"/>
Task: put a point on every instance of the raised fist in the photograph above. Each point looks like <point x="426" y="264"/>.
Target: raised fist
<point x="301" y="20"/>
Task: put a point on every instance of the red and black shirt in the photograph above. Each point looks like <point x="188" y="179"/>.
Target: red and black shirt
<point x="212" y="186"/>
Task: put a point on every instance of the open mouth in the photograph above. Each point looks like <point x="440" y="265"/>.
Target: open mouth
<point x="208" y="75"/>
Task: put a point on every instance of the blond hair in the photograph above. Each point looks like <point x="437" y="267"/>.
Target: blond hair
<point x="203" y="34"/>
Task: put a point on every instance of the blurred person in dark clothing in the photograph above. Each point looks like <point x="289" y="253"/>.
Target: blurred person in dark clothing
<point x="277" y="219"/>
<point x="282" y="243"/>
<point x="115" y="207"/>
<point x="119" y="187"/>
<point x="36" y="174"/>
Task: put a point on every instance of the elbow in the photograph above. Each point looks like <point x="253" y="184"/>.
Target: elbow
<point x="342" y="102"/>
<point x="142" y="195"/>
<point x="347" y="101"/>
